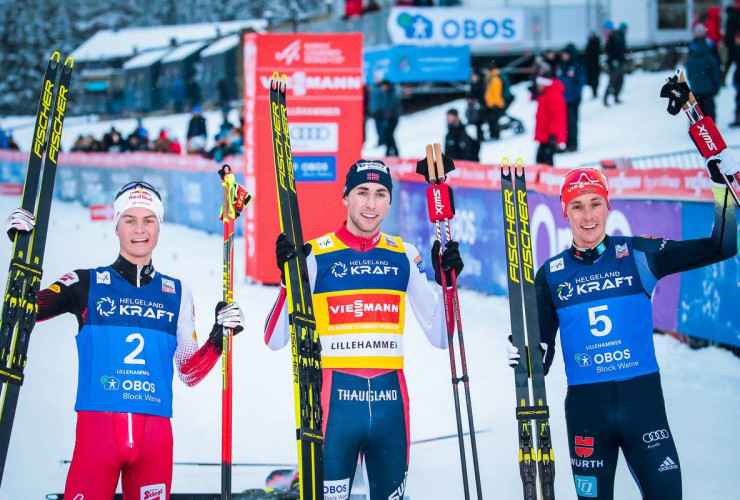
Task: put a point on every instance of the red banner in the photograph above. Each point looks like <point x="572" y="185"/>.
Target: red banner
<point x="324" y="76"/>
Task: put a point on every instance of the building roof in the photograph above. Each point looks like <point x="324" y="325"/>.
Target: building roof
<point x="221" y="46"/>
<point x="146" y="59"/>
<point x="126" y="43"/>
<point x="183" y="51"/>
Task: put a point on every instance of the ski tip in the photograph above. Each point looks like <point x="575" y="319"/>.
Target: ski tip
<point x="69" y="63"/>
<point x="506" y="165"/>
<point x="519" y="164"/>
<point x="56" y="56"/>
<point x="275" y="80"/>
<point x="283" y="83"/>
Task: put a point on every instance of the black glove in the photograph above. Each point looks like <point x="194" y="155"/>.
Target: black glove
<point x="285" y="250"/>
<point x="226" y="316"/>
<point x="451" y="259"/>
<point x="677" y="94"/>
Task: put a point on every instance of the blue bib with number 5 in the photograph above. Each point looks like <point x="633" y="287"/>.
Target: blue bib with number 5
<point x="127" y="343"/>
<point x="605" y="314"/>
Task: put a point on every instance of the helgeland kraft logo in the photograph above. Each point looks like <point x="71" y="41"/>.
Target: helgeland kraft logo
<point x="565" y="291"/>
<point x="339" y="270"/>
<point x="105" y="306"/>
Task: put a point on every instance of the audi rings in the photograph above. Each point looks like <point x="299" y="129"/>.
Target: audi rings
<point x="649" y="437"/>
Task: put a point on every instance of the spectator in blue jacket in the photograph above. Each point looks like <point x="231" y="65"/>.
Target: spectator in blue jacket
<point x="702" y="70"/>
<point x="385" y="107"/>
<point x="571" y="73"/>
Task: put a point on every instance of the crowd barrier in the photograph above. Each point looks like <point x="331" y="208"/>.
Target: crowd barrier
<point x="667" y="202"/>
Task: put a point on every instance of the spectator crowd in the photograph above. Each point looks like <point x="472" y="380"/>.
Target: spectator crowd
<point x="228" y="141"/>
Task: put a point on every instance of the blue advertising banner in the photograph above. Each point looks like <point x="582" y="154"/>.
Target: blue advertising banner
<point x="408" y="64"/>
<point x="315" y="168"/>
<point x="709" y="295"/>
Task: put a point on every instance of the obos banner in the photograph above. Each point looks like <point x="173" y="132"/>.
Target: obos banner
<point x="455" y="26"/>
<point x="324" y="76"/>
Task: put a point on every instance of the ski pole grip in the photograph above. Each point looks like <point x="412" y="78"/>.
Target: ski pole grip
<point x="440" y="202"/>
<point x="706" y="137"/>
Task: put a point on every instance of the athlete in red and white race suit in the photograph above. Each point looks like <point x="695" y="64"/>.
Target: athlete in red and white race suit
<point x="133" y="321"/>
<point x="359" y="280"/>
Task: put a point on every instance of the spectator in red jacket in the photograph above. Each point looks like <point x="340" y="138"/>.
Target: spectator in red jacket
<point x="353" y="8"/>
<point x="551" y="129"/>
<point x="713" y="25"/>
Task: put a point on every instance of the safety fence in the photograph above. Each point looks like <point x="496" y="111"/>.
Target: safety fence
<point x="673" y="203"/>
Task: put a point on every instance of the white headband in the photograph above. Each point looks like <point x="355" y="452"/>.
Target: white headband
<point x="138" y="197"/>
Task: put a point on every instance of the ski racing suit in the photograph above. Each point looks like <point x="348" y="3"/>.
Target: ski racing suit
<point x="358" y="288"/>
<point x="601" y="300"/>
<point x="132" y="322"/>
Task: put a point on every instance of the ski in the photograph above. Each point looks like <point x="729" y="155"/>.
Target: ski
<point x="529" y="377"/>
<point x="441" y="207"/>
<point x="20" y="303"/>
<point x="306" y="348"/>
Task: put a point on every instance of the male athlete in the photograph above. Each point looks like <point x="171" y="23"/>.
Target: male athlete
<point x="132" y="322"/>
<point x="599" y="293"/>
<point x="359" y="280"/>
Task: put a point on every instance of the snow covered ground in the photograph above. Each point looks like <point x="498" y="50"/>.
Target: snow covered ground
<point x="700" y="386"/>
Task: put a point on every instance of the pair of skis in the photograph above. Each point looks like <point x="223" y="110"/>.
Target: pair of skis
<point x="532" y="413"/>
<point x="441" y="206"/>
<point x="20" y="302"/>
<point x="305" y="345"/>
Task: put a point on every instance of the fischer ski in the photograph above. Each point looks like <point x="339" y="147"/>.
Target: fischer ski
<point x="441" y="207"/>
<point x="531" y="406"/>
<point x="235" y="199"/>
<point x="306" y="348"/>
<point x="20" y="304"/>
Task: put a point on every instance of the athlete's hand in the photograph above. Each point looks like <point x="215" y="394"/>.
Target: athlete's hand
<point x="285" y="250"/>
<point x="451" y="259"/>
<point x="227" y="316"/>
<point x="19" y="220"/>
<point x="723" y="162"/>
<point x="513" y="356"/>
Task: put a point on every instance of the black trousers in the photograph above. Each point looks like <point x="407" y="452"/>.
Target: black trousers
<point x="573" y="123"/>
<point x="390" y="140"/>
<point x="545" y="153"/>
<point x="706" y="103"/>
<point x="629" y="415"/>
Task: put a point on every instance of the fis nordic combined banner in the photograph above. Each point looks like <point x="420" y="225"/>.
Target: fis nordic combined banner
<point x="455" y="26"/>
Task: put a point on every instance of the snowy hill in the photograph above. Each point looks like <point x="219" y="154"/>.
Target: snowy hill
<point x="639" y="126"/>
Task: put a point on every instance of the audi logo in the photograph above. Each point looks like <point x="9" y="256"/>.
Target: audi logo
<point x="649" y="437"/>
<point x="309" y="133"/>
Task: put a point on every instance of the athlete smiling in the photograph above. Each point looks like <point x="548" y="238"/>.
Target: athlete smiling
<point x="132" y="322"/>
<point x="359" y="280"/>
<point x="598" y="292"/>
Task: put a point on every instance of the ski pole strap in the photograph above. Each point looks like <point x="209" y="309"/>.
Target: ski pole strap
<point x="238" y="197"/>
<point x="706" y="137"/>
<point x="532" y="412"/>
<point x="440" y="202"/>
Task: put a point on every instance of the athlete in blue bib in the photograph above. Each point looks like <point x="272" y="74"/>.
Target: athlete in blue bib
<point x="133" y="322"/>
<point x="598" y="293"/>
